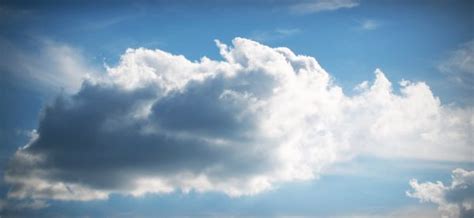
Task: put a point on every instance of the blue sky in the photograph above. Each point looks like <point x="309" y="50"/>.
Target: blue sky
<point x="49" y="48"/>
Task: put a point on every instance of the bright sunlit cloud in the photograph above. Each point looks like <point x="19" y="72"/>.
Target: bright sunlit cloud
<point x="159" y="123"/>
<point x="129" y="109"/>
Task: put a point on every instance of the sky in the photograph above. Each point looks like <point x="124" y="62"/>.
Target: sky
<point x="305" y="108"/>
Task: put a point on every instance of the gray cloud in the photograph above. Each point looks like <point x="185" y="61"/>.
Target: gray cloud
<point x="93" y="141"/>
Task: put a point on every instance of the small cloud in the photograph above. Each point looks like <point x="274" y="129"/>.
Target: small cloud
<point x="455" y="200"/>
<point x="276" y="34"/>
<point x="459" y="65"/>
<point x="105" y="23"/>
<point x="369" y="25"/>
<point x="288" y="32"/>
<point x="316" y="6"/>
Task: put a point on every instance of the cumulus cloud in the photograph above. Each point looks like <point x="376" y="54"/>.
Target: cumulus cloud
<point x="314" y="6"/>
<point x="455" y="200"/>
<point x="159" y="123"/>
<point x="460" y="65"/>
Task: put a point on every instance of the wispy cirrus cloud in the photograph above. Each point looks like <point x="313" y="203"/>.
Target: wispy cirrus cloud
<point x="459" y="65"/>
<point x="276" y="34"/>
<point x="315" y="6"/>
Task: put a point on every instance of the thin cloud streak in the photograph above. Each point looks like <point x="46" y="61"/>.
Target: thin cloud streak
<point x="315" y="6"/>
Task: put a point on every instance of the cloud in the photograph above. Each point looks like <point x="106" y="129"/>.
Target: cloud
<point x="159" y="123"/>
<point x="48" y="66"/>
<point x="9" y="205"/>
<point x="288" y="32"/>
<point x="315" y="6"/>
<point x="455" y="200"/>
<point x="277" y="34"/>
<point x="409" y="211"/>
<point x="369" y="25"/>
<point x="460" y="65"/>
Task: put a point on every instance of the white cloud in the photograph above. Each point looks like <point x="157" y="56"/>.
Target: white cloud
<point x="277" y="34"/>
<point x="369" y="25"/>
<point x="159" y="123"/>
<point x="459" y="65"/>
<point x="455" y="200"/>
<point x="315" y="6"/>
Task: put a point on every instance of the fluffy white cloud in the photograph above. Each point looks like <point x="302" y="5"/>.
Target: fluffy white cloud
<point x="455" y="200"/>
<point x="159" y="123"/>
<point x="314" y="6"/>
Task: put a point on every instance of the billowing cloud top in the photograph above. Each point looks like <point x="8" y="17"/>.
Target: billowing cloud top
<point x="158" y="123"/>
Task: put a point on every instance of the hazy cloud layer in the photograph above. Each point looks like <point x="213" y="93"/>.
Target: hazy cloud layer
<point x="455" y="200"/>
<point x="158" y="123"/>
